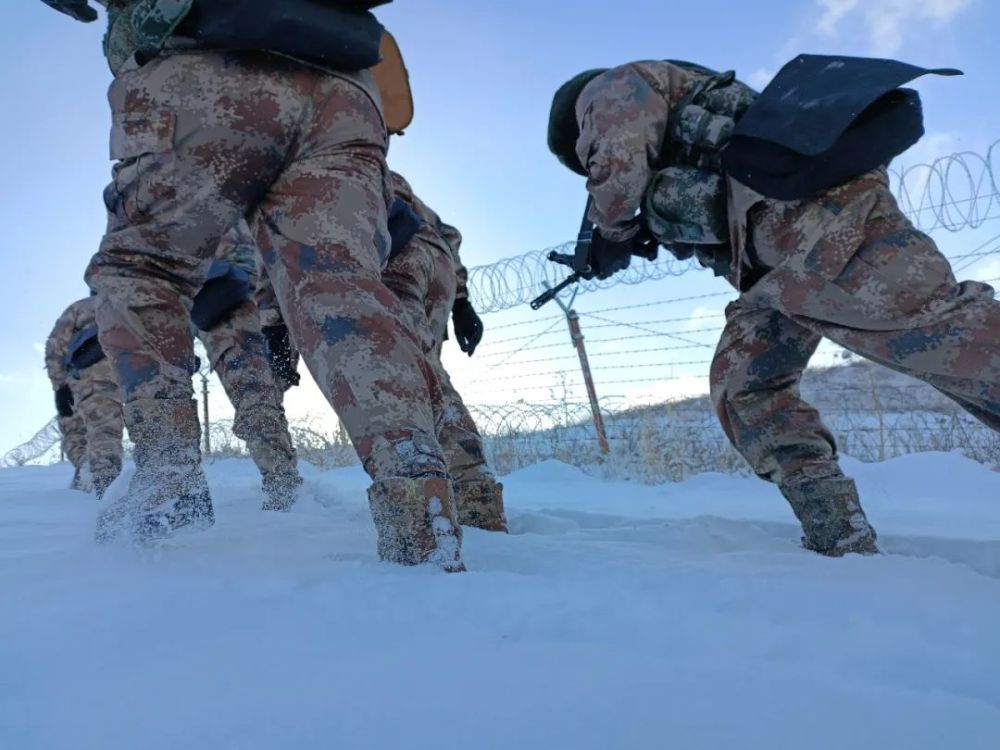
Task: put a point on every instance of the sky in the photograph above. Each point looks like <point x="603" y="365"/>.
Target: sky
<point x="483" y="74"/>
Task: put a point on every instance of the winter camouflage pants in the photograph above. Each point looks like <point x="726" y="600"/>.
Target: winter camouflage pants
<point x="204" y="138"/>
<point x="97" y="400"/>
<point x="849" y="267"/>
<point x="423" y="277"/>
<point x="74" y="438"/>
<point x="235" y="349"/>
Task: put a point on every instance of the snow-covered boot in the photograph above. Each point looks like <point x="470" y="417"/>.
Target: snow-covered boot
<point x="416" y="522"/>
<point x="168" y="491"/>
<point x="831" y="516"/>
<point x="281" y="490"/>
<point x="480" y="504"/>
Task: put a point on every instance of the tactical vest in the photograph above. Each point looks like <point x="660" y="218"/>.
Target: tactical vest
<point x="685" y="205"/>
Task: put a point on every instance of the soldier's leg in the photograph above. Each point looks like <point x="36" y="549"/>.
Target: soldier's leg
<point x="755" y="378"/>
<point x="193" y="159"/>
<point x="74" y="446"/>
<point x="101" y="407"/>
<point x="235" y="349"/>
<point x="477" y="492"/>
<point x="920" y="321"/>
<point x="322" y="232"/>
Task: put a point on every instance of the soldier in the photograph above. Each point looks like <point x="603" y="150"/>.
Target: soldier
<point x="221" y="112"/>
<point x="827" y="254"/>
<point x="225" y="318"/>
<point x="86" y="390"/>
<point x="427" y="275"/>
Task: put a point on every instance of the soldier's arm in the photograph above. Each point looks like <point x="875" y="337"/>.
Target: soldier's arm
<point x="56" y="345"/>
<point x="622" y="122"/>
<point x="454" y="239"/>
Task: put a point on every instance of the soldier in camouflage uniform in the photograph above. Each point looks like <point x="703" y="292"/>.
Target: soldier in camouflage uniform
<point x="845" y="265"/>
<point x="96" y="399"/>
<point x="428" y="277"/>
<point x="236" y="352"/>
<point x="204" y="137"/>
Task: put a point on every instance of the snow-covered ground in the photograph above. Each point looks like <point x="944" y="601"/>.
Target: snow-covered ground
<point x="615" y="616"/>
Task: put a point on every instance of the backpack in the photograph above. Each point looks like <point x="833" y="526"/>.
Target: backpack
<point x="226" y="288"/>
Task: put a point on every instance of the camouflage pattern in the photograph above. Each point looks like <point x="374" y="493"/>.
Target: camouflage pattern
<point x="96" y="398"/>
<point x="480" y="504"/>
<point x="139" y="26"/>
<point x="237" y="354"/>
<point x="205" y="138"/>
<point x="416" y="522"/>
<point x="831" y="516"/>
<point x="623" y="115"/>
<point x="847" y="266"/>
<point x="687" y="205"/>
<point x="168" y="491"/>
<point x="270" y="316"/>
<point x="74" y="439"/>
<point x="424" y="278"/>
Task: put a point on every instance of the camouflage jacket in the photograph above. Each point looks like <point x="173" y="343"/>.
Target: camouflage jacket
<point x="239" y="247"/>
<point x="76" y="317"/>
<point x="434" y="231"/>
<point x="623" y="115"/>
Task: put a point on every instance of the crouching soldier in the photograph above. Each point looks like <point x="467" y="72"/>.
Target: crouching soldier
<point x="786" y="194"/>
<point x="86" y="390"/>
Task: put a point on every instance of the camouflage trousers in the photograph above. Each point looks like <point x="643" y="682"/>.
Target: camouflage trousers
<point x="423" y="276"/>
<point x="74" y="438"/>
<point x="97" y="400"/>
<point x="204" y="138"/>
<point x="236" y="352"/>
<point x="849" y="267"/>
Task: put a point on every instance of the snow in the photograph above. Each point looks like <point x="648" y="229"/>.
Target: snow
<point x="616" y="616"/>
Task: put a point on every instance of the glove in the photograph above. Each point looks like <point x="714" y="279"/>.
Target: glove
<point x="279" y="353"/>
<point x="77" y="9"/>
<point x="64" y="401"/>
<point x="468" y="326"/>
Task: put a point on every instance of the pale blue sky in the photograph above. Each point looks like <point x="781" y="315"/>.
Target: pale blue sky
<point x="483" y="74"/>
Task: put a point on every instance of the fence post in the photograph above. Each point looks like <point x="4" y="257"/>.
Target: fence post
<point x="576" y="335"/>
<point x="204" y="401"/>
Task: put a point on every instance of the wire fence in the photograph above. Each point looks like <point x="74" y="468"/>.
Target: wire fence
<point x="649" y="360"/>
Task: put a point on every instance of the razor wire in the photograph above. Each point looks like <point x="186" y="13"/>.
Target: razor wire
<point x="41" y="443"/>
<point x="953" y="193"/>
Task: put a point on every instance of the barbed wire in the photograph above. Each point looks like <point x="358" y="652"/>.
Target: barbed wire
<point x="955" y="192"/>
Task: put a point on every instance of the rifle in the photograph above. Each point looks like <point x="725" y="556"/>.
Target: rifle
<point x="579" y="261"/>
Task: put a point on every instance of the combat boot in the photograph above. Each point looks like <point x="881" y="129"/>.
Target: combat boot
<point x="281" y="490"/>
<point x="831" y="516"/>
<point x="480" y="504"/>
<point x="416" y="522"/>
<point x="168" y="491"/>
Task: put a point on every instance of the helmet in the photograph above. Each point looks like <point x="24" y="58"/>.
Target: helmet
<point x="564" y="130"/>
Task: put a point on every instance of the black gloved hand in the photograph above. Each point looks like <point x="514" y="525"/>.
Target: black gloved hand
<point x="78" y="9"/>
<point x="608" y="257"/>
<point x="468" y="326"/>
<point x="279" y="353"/>
<point x="64" y="401"/>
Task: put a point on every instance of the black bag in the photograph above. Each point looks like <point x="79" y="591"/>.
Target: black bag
<point x="337" y="34"/>
<point x="225" y="289"/>
<point x="824" y="120"/>
<point x="84" y="350"/>
<point x="403" y="224"/>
